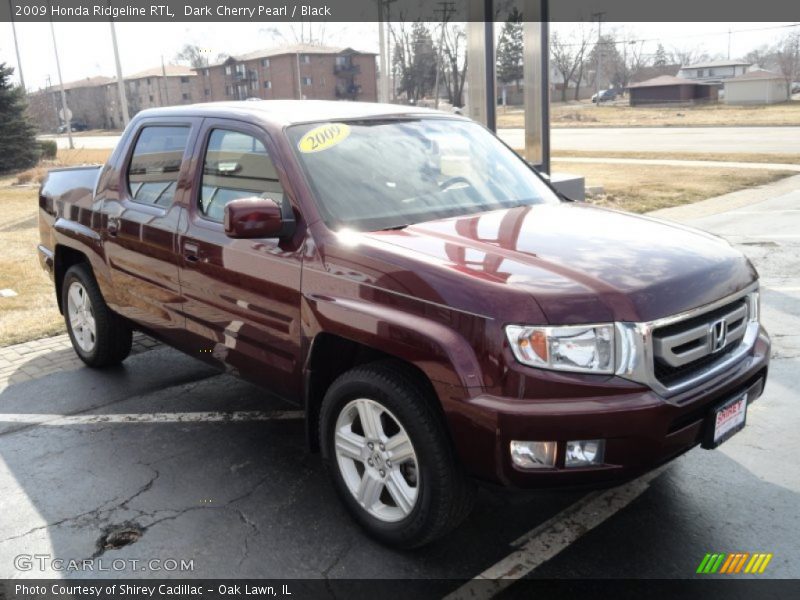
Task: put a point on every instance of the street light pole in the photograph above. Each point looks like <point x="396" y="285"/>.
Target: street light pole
<point x="599" y="51"/>
<point x="16" y="47"/>
<point x="67" y="115"/>
<point x="123" y="98"/>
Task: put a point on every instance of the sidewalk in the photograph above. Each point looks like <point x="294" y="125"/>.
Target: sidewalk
<point x="37" y="358"/>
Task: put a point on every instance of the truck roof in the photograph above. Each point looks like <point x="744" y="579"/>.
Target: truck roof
<point x="290" y="112"/>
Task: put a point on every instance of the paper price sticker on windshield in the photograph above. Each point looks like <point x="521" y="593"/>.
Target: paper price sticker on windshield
<point x="323" y="137"/>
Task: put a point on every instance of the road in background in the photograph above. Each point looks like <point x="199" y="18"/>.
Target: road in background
<point x="645" y="139"/>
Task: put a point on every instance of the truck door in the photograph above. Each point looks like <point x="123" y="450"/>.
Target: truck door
<point x="141" y="213"/>
<point x="242" y="296"/>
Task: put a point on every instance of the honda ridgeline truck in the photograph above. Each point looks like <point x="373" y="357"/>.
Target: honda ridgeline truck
<point x="440" y="314"/>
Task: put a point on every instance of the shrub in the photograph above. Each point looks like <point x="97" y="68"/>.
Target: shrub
<point x="48" y="149"/>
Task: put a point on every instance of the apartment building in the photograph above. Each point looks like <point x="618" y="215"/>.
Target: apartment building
<point x="94" y="101"/>
<point x="85" y="99"/>
<point x="302" y="71"/>
<point x="168" y="85"/>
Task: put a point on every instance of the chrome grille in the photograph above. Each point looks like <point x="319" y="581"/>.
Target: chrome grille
<point x="681" y="348"/>
<point x="673" y="354"/>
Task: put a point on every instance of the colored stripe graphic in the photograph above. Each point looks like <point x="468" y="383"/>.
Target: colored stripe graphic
<point x="729" y="564"/>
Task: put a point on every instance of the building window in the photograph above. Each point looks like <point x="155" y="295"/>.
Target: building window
<point x="700" y="72"/>
<point x="185" y="96"/>
<point x="229" y="90"/>
<point x="206" y="73"/>
<point x="341" y="61"/>
<point x="148" y="81"/>
<point x="265" y="62"/>
<point x="305" y="58"/>
<point x="151" y="97"/>
<point x="306" y="80"/>
<point x="711" y="72"/>
<point x="267" y="85"/>
<point x="207" y="92"/>
<point x="228" y="70"/>
<point x="184" y="80"/>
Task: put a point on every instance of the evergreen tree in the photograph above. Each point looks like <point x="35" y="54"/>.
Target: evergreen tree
<point x="509" y="50"/>
<point x="660" y="59"/>
<point x="18" y="149"/>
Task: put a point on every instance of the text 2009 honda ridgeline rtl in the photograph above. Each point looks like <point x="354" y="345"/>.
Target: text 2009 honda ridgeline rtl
<point x="438" y="311"/>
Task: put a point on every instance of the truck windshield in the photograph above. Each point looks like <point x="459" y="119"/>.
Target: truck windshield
<point x="386" y="174"/>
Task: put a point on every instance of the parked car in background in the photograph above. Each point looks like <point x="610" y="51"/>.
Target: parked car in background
<point x="605" y="95"/>
<point x="74" y="126"/>
<point x="418" y="289"/>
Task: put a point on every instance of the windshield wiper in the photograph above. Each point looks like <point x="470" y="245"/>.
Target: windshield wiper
<point x="394" y="228"/>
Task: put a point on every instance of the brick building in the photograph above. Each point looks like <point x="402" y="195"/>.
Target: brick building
<point x="86" y="101"/>
<point x="160" y="86"/>
<point x="301" y="71"/>
<point x="94" y="101"/>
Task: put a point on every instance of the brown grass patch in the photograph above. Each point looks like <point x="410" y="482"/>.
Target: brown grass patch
<point x="33" y="313"/>
<point x="585" y="114"/>
<point x="642" y="188"/>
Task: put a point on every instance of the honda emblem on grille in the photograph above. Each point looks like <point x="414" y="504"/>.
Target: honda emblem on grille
<point x="718" y="334"/>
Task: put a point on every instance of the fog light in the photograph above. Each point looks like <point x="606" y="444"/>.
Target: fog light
<point x="584" y="453"/>
<point x="533" y="455"/>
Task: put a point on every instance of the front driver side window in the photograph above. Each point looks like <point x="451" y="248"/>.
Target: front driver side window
<point x="236" y="165"/>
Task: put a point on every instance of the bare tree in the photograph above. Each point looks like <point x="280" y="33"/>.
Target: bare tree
<point x="567" y="54"/>
<point x="787" y="57"/>
<point x="194" y="55"/>
<point x="455" y="63"/>
<point x="688" y="56"/>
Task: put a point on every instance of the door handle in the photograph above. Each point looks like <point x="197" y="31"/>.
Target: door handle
<point x="191" y="252"/>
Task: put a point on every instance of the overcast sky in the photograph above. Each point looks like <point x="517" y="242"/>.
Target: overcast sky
<point x="85" y="48"/>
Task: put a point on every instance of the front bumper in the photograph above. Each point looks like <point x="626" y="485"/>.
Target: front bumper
<point x="642" y="430"/>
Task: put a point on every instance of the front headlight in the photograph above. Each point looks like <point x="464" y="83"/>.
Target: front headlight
<point x="581" y="348"/>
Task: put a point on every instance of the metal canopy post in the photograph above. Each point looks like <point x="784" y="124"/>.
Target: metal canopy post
<point x="481" y="93"/>
<point x="536" y="80"/>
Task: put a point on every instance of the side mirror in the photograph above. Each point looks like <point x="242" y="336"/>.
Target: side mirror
<point x="257" y="217"/>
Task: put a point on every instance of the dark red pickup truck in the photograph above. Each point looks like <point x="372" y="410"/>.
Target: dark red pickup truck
<point x="439" y="312"/>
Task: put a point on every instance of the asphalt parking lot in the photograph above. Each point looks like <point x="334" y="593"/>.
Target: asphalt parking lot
<point x="164" y="458"/>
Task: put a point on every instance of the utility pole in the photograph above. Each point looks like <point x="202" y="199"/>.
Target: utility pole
<point x="16" y="47"/>
<point x="67" y="114"/>
<point x="383" y="92"/>
<point x="599" y="50"/>
<point x="445" y="12"/>
<point x="165" y="100"/>
<point x="729" y="43"/>
<point x="123" y="98"/>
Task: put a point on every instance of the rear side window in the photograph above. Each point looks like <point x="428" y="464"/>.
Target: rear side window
<point x="236" y="165"/>
<point x="156" y="164"/>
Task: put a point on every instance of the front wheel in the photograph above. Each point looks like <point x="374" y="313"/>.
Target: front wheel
<point x="389" y="456"/>
<point x="100" y="337"/>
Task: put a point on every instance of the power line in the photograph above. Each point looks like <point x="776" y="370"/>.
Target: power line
<point x="690" y="35"/>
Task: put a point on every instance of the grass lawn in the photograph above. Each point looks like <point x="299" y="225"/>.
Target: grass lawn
<point x="585" y="114"/>
<point x="641" y="188"/>
<point x="33" y="313"/>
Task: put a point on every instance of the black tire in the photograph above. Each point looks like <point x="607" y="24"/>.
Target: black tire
<point x="444" y="496"/>
<point x="113" y="336"/>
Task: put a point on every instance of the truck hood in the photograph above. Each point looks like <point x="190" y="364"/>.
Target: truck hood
<point x="582" y="263"/>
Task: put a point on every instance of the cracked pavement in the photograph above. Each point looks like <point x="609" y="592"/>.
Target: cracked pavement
<point x="245" y="499"/>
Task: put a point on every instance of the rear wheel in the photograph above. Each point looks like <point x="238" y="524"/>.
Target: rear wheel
<point x="100" y="337"/>
<point x="389" y="456"/>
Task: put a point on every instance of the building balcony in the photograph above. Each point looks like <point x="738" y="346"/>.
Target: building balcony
<point x="347" y="69"/>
